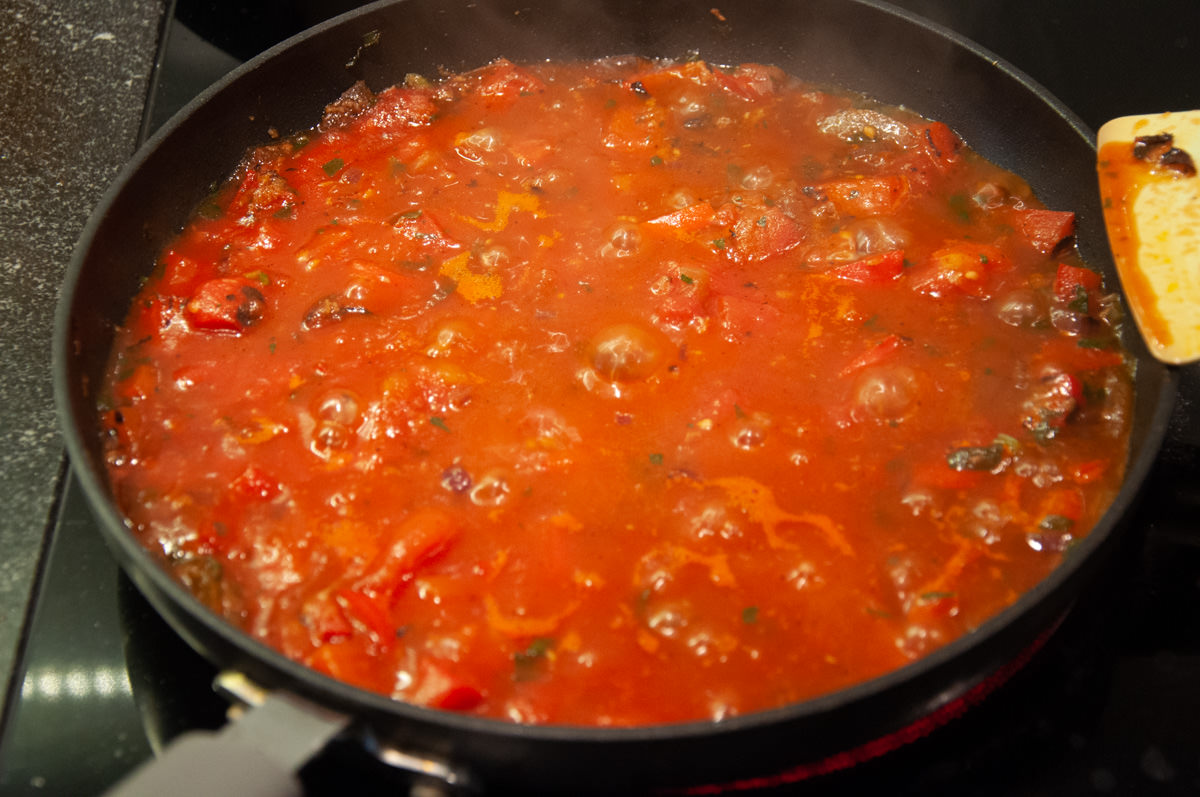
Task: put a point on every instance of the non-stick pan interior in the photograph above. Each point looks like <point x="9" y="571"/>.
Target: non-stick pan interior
<point x="855" y="45"/>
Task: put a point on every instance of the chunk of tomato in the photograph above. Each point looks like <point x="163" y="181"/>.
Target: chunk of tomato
<point x="878" y="269"/>
<point x="760" y="233"/>
<point x="225" y="305"/>
<point x="1046" y="229"/>
<point x="867" y="196"/>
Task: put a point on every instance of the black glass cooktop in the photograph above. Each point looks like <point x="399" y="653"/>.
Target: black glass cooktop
<point x="1110" y="705"/>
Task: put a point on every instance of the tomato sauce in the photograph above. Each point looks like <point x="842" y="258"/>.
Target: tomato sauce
<point x="616" y="393"/>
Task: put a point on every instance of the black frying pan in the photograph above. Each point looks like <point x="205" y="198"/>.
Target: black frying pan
<point x="856" y="44"/>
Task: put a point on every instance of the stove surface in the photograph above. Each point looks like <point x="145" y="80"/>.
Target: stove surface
<point x="1110" y="704"/>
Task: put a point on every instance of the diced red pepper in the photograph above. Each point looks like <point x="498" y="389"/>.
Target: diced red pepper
<point x="1046" y="229"/>
<point x="942" y="142"/>
<point x="760" y="233"/>
<point x="690" y="219"/>
<point x="878" y="269"/>
<point x="367" y="613"/>
<point x="458" y="698"/>
<point x="225" y="305"/>
<point x="440" y="689"/>
<point x="866" y="196"/>
<point x="1075" y="284"/>
<point x="875" y="355"/>
<point x="422" y="537"/>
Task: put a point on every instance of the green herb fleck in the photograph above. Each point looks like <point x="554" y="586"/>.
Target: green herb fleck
<point x="686" y="279"/>
<point x="719" y="243"/>
<point x="439" y="422"/>
<point x="761" y="221"/>
<point x="1079" y="303"/>
<point x="656" y="459"/>
<point x="260" y="277"/>
<point x="936" y="596"/>
<point x="526" y="662"/>
<point x="750" y="615"/>
<point x="271" y="346"/>
<point x="333" y="167"/>
<point x="960" y="207"/>
<point x="1093" y="343"/>
<point x="411" y="214"/>
<point x="656" y="161"/>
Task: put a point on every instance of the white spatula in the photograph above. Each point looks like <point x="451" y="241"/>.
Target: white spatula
<point x="1151" y="193"/>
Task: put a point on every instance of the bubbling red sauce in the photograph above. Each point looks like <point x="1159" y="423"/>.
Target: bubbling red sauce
<point x="616" y="393"/>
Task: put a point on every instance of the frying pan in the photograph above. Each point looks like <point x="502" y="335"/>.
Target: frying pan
<point x="856" y="44"/>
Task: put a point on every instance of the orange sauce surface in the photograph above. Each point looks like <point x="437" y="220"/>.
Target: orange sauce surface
<point x="616" y="393"/>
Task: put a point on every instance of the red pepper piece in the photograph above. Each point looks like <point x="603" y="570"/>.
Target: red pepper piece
<point x="225" y="305"/>
<point x="1046" y="229"/>
<point x="875" y="355"/>
<point x="877" y="269"/>
<point x="1075" y="283"/>
<point x="422" y="537"/>
<point x="368" y="615"/>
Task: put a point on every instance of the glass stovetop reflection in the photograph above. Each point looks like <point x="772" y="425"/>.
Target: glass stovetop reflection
<point x="1110" y="705"/>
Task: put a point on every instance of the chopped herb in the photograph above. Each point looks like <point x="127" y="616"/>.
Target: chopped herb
<point x="750" y="615"/>
<point x="959" y="205"/>
<point x="285" y="212"/>
<point x="686" y="279"/>
<point x="656" y="459"/>
<point x="439" y="422"/>
<point x="983" y="259"/>
<point x="1079" y="303"/>
<point x="936" y="596"/>
<point x="719" y="243"/>
<point x="271" y="346"/>
<point x="738" y="412"/>
<point x="411" y="214"/>
<point x="1093" y="343"/>
<point x="333" y="167"/>
<point x="526" y="662"/>
<point x="610" y="103"/>
<point x="878" y="613"/>
<point x="260" y="277"/>
<point x="761" y="221"/>
<point x="656" y="161"/>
